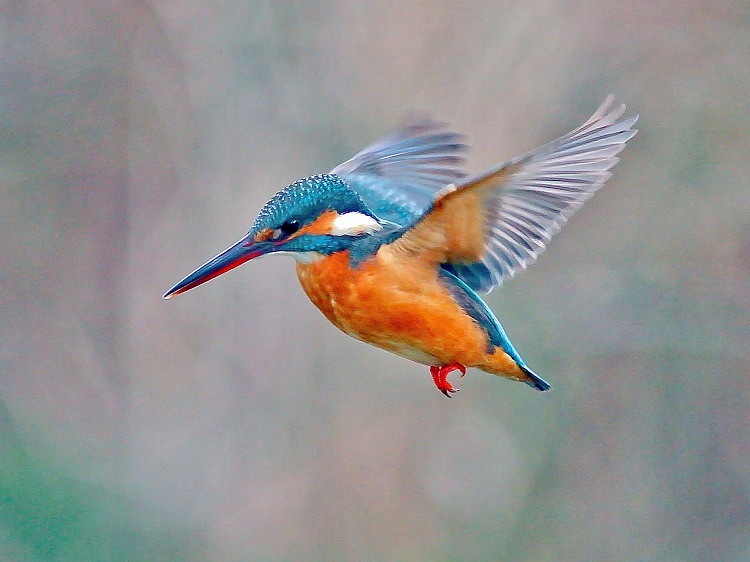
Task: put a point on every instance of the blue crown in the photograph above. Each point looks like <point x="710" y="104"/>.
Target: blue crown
<point x="306" y="199"/>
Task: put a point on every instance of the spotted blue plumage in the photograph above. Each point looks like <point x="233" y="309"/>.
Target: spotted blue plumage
<point x="306" y="199"/>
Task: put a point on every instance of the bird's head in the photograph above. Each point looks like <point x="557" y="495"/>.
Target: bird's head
<point x="309" y="219"/>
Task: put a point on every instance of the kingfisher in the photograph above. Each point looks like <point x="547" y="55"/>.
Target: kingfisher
<point x="395" y="245"/>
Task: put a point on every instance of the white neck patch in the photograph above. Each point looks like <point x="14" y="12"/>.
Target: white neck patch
<point x="354" y="224"/>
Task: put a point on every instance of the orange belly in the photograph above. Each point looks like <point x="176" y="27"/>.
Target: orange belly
<point x="400" y="305"/>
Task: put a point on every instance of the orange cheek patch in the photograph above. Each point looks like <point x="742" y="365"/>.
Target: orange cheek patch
<point x="263" y="235"/>
<point x="322" y="225"/>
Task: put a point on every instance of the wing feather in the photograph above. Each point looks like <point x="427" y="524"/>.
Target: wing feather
<point x="398" y="175"/>
<point x="493" y="225"/>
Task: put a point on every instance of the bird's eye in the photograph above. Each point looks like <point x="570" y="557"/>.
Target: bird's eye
<point x="286" y="229"/>
<point x="290" y="227"/>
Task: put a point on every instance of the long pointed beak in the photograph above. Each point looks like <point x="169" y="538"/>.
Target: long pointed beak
<point x="230" y="258"/>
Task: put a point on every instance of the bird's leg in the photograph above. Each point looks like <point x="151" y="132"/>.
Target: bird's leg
<point x="440" y="376"/>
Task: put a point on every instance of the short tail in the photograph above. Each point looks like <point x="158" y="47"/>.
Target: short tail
<point x="535" y="381"/>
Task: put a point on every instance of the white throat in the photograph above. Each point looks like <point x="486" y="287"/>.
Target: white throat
<point x="302" y="257"/>
<point x="307" y="257"/>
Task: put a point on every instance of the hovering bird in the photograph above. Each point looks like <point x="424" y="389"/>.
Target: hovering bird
<point x="394" y="245"/>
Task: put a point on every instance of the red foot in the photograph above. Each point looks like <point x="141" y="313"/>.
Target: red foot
<point x="440" y="376"/>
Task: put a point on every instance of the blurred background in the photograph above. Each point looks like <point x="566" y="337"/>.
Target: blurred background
<point x="138" y="139"/>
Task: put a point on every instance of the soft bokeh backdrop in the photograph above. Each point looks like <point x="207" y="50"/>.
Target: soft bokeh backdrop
<point x="139" y="138"/>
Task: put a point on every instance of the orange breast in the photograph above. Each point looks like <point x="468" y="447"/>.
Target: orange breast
<point x="395" y="303"/>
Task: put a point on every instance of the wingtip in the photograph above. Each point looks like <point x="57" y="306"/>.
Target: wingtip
<point x="605" y="109"/>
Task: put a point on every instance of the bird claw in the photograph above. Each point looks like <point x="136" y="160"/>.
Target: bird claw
<point x="440" y="377"/>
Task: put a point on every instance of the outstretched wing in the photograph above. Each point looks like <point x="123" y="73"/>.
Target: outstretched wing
<point x="489" y="227"/>
<point x="398" y="176"/>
